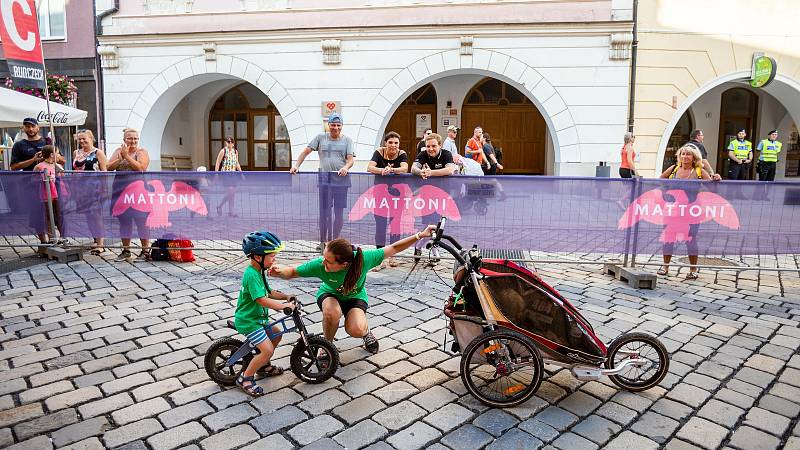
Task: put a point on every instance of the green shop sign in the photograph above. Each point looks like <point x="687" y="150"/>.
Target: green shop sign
<point x="764" y="70"/>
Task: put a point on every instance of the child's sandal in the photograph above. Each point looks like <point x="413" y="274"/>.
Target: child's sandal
<point x="664" y="270"/>
<point x="272" y="371"/>
<point x="251" y="388"/>
<point x="691" y="276"/>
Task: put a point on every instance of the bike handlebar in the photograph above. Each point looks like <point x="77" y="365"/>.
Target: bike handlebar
<point x="287" y="310"/>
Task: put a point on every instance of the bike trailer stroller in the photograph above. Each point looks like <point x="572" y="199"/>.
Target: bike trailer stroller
<point x="506" y="322"/>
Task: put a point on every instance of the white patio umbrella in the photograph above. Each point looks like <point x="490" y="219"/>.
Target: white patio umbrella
<point x="16" y="106"/>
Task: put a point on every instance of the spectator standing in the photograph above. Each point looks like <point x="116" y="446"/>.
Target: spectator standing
<point x="768" y="150"/>
<point x="421" y="143"/>
<point x="627" y="168"/>
<point x="688" y="167"/>
<point x="740" y="152"/>
<point x="696" y="138"/>
<point x="387" y="160"/>
<point x="228" y="161"/>
<point x="335" y="160"/>
<point x="488" y="151"/>
<point x="129" y="157"/>
<point x="88" y="158"/>
<point x="474" y="147"/>
<point x="433" y="162"/>
<point x="449" y="143"/>
<point x="25" y="155"/>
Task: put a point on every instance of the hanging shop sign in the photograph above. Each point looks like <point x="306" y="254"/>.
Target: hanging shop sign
<point x="764" y="70"/>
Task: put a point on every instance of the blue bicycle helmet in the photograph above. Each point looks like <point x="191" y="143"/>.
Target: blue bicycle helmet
<point x="261" y="243"/>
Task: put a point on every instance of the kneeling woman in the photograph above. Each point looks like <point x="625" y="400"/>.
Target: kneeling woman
<point x="343" y="270"/>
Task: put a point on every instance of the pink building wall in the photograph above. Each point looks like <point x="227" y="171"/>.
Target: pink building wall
<point x="80" y="33"/>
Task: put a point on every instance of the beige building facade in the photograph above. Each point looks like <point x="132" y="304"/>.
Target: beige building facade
<point x="548" y="78"/>
<point x="693" y="69"/>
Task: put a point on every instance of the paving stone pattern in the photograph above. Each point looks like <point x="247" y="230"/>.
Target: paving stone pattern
<point x="97" y="354"/>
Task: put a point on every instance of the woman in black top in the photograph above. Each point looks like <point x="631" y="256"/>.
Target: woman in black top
<point x="87" y="158"/>
<point x="387" y="160"/>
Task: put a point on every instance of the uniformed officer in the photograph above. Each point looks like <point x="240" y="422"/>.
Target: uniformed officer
<point x="768" y="156"/>
<point x="740" y="152"/>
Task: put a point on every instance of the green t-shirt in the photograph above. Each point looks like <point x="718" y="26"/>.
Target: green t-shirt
<point x="250" y="316"/>
<point x="332" y="281"/>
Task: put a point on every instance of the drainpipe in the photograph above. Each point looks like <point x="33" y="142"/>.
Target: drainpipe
<point x="98" y="70"/>
<point x="634" y="46"/>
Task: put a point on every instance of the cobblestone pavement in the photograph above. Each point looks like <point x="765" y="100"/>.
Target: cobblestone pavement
<point x="100" y="354"/>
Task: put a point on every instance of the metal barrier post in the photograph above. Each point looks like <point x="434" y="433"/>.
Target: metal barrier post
<point x="634" y="183"/>
<point x="637" y="191"/>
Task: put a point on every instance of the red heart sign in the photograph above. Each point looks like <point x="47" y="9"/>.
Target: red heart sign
<point x="331" y="106"/>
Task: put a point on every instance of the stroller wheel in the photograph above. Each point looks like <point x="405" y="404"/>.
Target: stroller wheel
<point x="644" y="346"/>
<point x="502" y="368"/>
<point x="216" y="357"/>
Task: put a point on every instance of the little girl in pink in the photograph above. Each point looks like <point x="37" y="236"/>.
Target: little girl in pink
<point x="50" y="168"/>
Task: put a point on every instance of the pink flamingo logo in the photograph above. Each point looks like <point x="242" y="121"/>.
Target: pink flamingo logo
<point x="403" y="207"/>
<point x="159" y="202"/>
<point x="677" y="216"/>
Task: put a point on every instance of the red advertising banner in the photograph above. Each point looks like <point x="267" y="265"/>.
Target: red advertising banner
<point x="21" y="42"/>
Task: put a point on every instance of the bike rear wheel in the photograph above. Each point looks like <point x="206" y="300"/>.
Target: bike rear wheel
<point x="314" y="363"/>
<point x="647" y="347"/>
<point x="502" y="368"/>
<point x="217" y="357"/>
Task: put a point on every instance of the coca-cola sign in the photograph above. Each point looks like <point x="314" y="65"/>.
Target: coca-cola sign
<point x="58" y="117"/>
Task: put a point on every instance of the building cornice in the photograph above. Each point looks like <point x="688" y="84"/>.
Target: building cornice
<point x="371" y="33"/>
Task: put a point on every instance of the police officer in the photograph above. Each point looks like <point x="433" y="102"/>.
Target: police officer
<point x="768" y="156"/>
<point x="740" y="152"/>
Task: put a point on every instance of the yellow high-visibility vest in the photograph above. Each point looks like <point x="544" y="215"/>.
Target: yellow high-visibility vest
<point x="740" y="149"/>
<point x="770" y="150"/>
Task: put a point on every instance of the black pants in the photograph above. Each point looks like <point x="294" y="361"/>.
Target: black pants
<point x="766" y="171"/>
<point x="738" y="171"/>
<point x="625" y="173"/>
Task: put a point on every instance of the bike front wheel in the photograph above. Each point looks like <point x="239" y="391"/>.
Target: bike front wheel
<point x="502" y="368"/>
<point x="316" y="362"/>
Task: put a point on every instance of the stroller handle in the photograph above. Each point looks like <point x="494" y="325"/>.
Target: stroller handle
<point x="449" y="248"/>
<point x="453" y="249"/>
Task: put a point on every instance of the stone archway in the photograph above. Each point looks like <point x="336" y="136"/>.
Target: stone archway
<point x="784" y="89"/>
<point x="561" y="126"/>
<point x="158" y="99"/>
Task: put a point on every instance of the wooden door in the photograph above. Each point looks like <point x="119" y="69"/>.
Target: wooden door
<point x="738" y="109"/>
<point x="403" y="121"/>
<point x="519" y="130"/>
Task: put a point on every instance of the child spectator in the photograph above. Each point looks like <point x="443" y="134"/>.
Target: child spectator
<point x="50" y="168"/>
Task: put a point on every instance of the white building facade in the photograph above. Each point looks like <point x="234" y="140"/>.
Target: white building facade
<point x="549" y="79"/>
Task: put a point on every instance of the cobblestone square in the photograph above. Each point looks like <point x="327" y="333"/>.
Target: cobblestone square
<point x="98" y="354"/>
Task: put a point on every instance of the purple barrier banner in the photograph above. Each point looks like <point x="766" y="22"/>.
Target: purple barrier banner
<point x="554" y="214"/>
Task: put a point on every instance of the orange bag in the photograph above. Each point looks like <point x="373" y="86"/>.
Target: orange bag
<point x="180" y="255"/>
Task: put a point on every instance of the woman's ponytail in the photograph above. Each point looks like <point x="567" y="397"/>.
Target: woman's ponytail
<point x="343" y="251"/>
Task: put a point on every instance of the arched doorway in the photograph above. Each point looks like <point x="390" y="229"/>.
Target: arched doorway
<point x="679" y="136"/>
<point x="261" y="136"/>
<point x="419" y="107"/>
<point x="513" y="122"/>
<point x="738" y="109"/>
